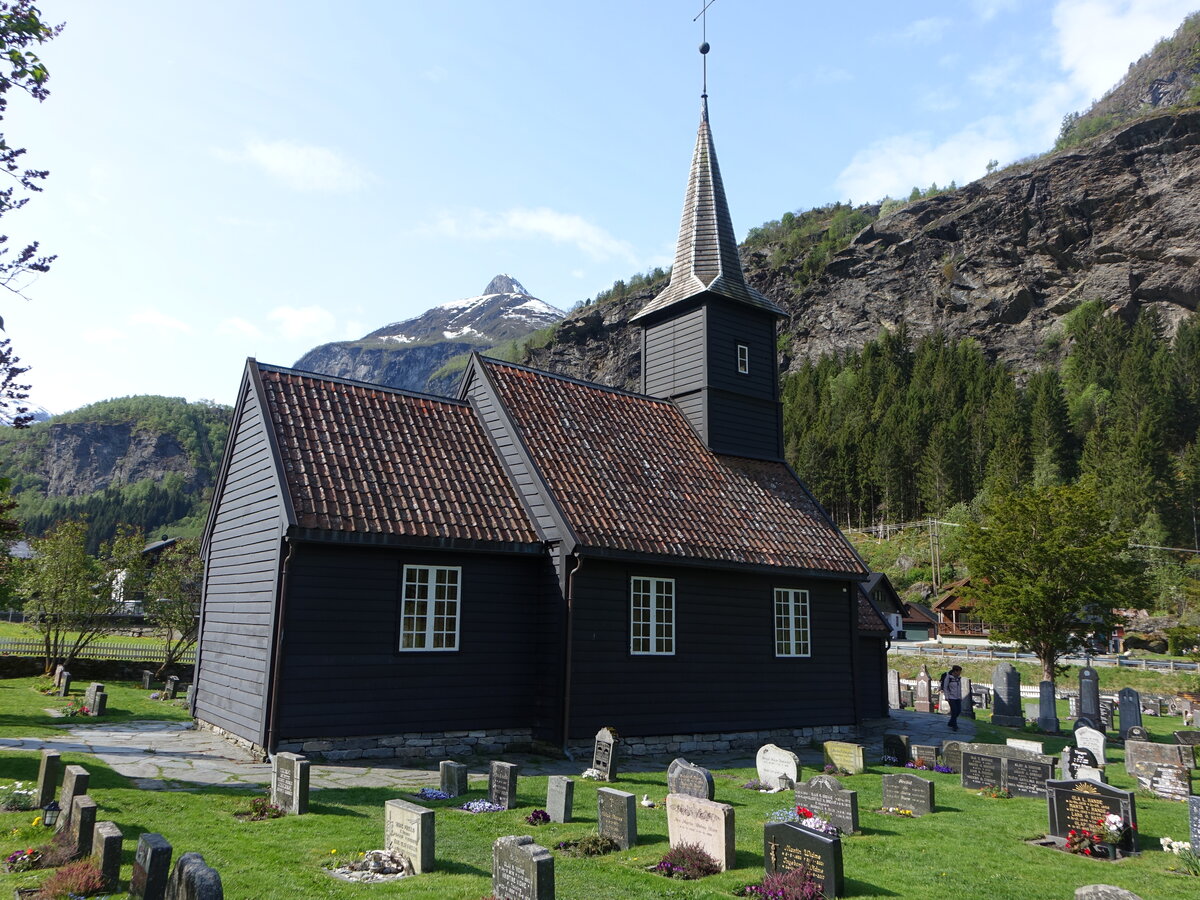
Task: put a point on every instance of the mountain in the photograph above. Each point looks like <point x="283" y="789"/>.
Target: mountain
<point x="408" y="354"/>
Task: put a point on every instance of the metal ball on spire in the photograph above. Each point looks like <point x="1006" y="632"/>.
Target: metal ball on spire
<point x="704" y="48"/>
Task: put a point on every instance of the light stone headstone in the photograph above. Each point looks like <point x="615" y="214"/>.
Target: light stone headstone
<point x="1187" y="737"/>
<point x="926" y="753"/>
<point x="560" y="798"/>
<point x="147" y="679"/>
<point x="688" y="778"/>
<point x="1091" y="739"/>
<point x="172" y="687"/>
<point x="1006" y="701"/>
<point x="89" y="696"/>
<point x="924" y="691"/>
<point x="604" y="754"/>
<point x="694" y="820"/>
<point x="75" y="784"/>
<point x="151" y="868"/>
<point x="106" y="847"/>
<point x="1168" y="782"/>
<point x="1130" y="703"/>
<point x="1047" y="709"/>
<point x="1142" y="756"/>
<point x="1021" y="744"/>
<point x="47" y="782"/>
<point x="453" y="778"/>
<point x="83" y="823"/>
<point x="845" y="755"/>
<point x="194" y="879"/>
<point x="774" y="763"/>
<point x="1089" y="694"/>
<point x="1072" y="706"/>
<point x="58" y="670"/>
<point x="909" y="792"/>
<point x="968" y="698"/>
<point x="289" y="783"/>
<point x="408" y="829"/>
<point x="893" y="685"/>
<point x="825" y="796"/>
<point x="521" y="870"/>
<point x="502" y="784"/>
<point x="1104" y="892"/>
<point x="616" y="816"/>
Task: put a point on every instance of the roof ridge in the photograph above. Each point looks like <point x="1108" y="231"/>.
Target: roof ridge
<point x="579" y="381"/>
<point x="351" y="382"/>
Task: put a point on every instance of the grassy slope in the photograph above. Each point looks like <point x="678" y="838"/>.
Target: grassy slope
<point x="972" y="847"/>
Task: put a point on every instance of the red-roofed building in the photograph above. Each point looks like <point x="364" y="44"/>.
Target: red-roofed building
<point x="394" y="574"/>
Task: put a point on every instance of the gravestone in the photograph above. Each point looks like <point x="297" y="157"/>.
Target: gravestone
<point x="1130" y="702"/>
<point x="502" y="784"/>
<point x="982" y="696"/>
<point x="147" y="679"/>
<point x="1108" y="712"/>
<point x="952" y="755"/>
<point x="1047" y="709"/>
<point x="1136" y="733"/>
<point x="908" y="697"/>
<point x="89" y="696"/>
<point x="64" y="684"/>
<point x="694" y="820"/>
<point x="845" y="755"/>
<point x="1094" y="740"/>
<point x="1028" y="777"/>
<point x="604" y="753"/>
<point x="453" y="778"/>
<point x="194" y="879"/>
<point x="980" y="770"/>
<point x="47" y="781"/>
<point x="172" y="687"/>
<point x="99" y="704"/>
<point x="777" y="766"/>
<point x="788" y="846"/>
<point x="893" y="685"/>
<point x="408" y="829"/>
<point x="684" y="777"/>
<point x="925" y="753"/>
<point x="906" y="791"/>
<point x="1194" y="822"/>
<point x="75" y="784"/>
<point x="968" y="699"/>
<point x="924" y="691"/>
<point x="1188" y="738"/>
<point x="1006" y="702"/>
<point x="1089" y="695"/>
<point x="560" y="798"/>
<point x="896" y="746"/>
<point x="1021" y="744"/>
<point x="106" y="847"/>
<point x="1103" y="892"/>
<point x="83" y="823"/>
<point x="826" y="797"/>
<point x="151" y="867"/>
<point x="191" y="695"/>
<point x="1021" y="772"/>
<point x="616" y="816"/>
<point x="1072" y="706"/>
<point x="1168" y="782"/>
<point x="521" y="870"/>
<point x="1076" y="758"/>
<point x="1079" y="804"/>
<point x="58" y="670"/>
<point x="289" y="783"/>
<point x="1031" y="711"/>
<point x="1141" y="757"/>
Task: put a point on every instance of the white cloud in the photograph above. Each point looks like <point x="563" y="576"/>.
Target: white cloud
<point x="159" y="320"/>
<point x="925" y="31"/>
<point x="519" y="223"/>
<point x="237" y="327"/>
<point x="987" y="10"/>
<point x="103" y="335"/>
<point x="302" y="167"/>
<point x="304" y="321"/>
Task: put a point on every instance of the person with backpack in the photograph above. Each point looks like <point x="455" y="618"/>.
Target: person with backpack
<point x="951" y="684"/>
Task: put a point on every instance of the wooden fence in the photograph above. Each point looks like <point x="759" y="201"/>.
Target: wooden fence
<point x="125" y="652"/>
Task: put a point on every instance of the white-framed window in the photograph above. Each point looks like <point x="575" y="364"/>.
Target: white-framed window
<point x="792" y="636"/>
<point x="652" y="616"/>
<point x="743" y="356"/>
<point x="429" y="610"/>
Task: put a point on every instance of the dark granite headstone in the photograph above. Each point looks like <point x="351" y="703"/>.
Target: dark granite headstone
<point x="83" y="823"/>
<point x="194" y="879"/>
<point x="925" y="753"/>
<point x="1136" y="733"/>
<point x="1074" y="758"/>
<point x="521" y="870"/>
<point x="106" y="847"/>
<point x="893" y="686"/>
<point x="1194" y="822"/>
<point x="616" y="816"/>
<point x="604" y="754"/>
<point x="1006" y="687"/>
<point x="1108" y="714"/>
<point x="1189" y="738"/>
<point x="1168" y="782"/>
<point x="75" y="784"/>
<point x="826" y="797"/>
<point x="788" y="846"/>
<point x="64" y="684"/>
<point x="980" y="770"/>
<point x="147" y="679"/>
<point x="684" y="777"/>
<point x="289" y="783"/>
<point x="1079" y="804"/>
<point x="560" y="798"/>
<point x="924" y="691"/>
<point x="968" y="699"/>
<point x="1130" y="702"/>
<point x="151" y="867"/>
<point x="453" y="778"/>
<point x="1047" y="708"/>
<point x="47" y="781"/>
<point x="706" y="823"/>
<point x="952" y="755"/>
<point x="906" y="791"/>
<point x="172" y="687"/>
<point x="896" y="746"/>
<point x="1089" y="695"/>
<point x="408" y="829"/>
<point x="99" y="704"/>
<point x="1028" y="777"/>
<point x="502" y="784"/>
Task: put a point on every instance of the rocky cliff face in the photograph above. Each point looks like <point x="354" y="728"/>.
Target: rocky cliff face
<point x="82" y="458"/>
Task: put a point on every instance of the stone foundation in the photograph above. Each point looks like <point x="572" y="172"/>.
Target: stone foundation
<point x="249" y="746"/>
<point x="718" y="742"/>
<point x="416" y="746"/>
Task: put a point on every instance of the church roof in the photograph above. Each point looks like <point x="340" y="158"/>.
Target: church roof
<point x="706" y="253"/>
<point x="372" y="460"/>
<point x="630" y="475"/>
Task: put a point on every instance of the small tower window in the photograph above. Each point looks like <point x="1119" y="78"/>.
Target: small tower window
<point x="743" y="356"/>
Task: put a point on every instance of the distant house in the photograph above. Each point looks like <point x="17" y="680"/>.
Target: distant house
<point x="395" y="574"/>
<point x="920" y="623"/>
<point x="956" y="613"/>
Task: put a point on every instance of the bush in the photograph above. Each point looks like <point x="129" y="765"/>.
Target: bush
<point x="687" y="861"/>
<point x="73" y="880"/>
<point x="795" y="884"/>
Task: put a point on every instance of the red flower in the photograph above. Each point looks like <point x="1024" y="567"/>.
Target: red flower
<point x="1087" y="852"/>
<point x="804" y="812"/>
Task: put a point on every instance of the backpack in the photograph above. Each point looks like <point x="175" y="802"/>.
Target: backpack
<point x="942" y="681"/>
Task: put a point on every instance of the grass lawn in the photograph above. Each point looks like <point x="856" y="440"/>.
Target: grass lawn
<point x="23" y="709"/>
<point x="19" y="631"/>
<point x="971" y="847"/>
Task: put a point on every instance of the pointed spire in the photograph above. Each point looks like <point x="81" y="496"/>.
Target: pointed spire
<point x="706" y="254"/>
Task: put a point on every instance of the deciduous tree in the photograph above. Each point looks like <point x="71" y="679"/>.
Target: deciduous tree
<point x="66" y="599"/>
<point x="173" y="602"/>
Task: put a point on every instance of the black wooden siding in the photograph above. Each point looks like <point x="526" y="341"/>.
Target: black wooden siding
<point x="674" y="355"/>
<point x="744" y="415"/>
<point x="240" y="580"/>
<point x="872" y="677"/>
<point x="724" y="675"/>
<point x="343" y="675"/>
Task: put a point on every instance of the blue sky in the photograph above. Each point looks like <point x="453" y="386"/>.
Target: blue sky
<point x="254" y="178"/>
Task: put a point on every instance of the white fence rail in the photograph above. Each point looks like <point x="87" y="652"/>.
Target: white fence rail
<point x="1169" y="665"/>
<point x="125" y="652"/>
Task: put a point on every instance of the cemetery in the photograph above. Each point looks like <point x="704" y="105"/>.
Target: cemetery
<point x="1015" y="797"/>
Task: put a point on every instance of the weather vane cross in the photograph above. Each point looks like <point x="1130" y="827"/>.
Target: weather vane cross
<point x="703" y="17"/>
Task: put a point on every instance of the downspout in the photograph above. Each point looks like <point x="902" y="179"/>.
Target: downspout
<point x="570" y="626"/>
<point x="277" y="650"/>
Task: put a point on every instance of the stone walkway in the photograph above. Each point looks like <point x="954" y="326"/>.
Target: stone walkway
<point x="173" y="756"/>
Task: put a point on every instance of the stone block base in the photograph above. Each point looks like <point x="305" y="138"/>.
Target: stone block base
<point x="417" y="746"/>
<point x="718" y="742"/>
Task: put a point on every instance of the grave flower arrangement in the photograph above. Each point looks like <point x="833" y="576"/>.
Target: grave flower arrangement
<point x="75" y="708"/>
<point x="1083" y="842"/>
<point x="592" y="775"/>
<point x="945" y="770"/>
<point x="1113" y="828"/>
<point x="1182" y="849"/>
<point x="805" y="817"/>
<point x="261" y="809"/>
<point x="22" y="860"/>
<point x="687" y="861"/>
<point x="427" y="793"/>
<point x="995" y="792"/>
<point x="917" y="764"/>
<point x="794" y="884"/>
<point x="831" y="769"/>
<point x="538" y="817"/>
<point x="756" y="785"/>
<point x="898" y="811"/>
<point x="480" y="806"/>
<point x="889" y="760"/>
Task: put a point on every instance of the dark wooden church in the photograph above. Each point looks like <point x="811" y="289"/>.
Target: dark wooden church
<point x="395" y="574"/>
